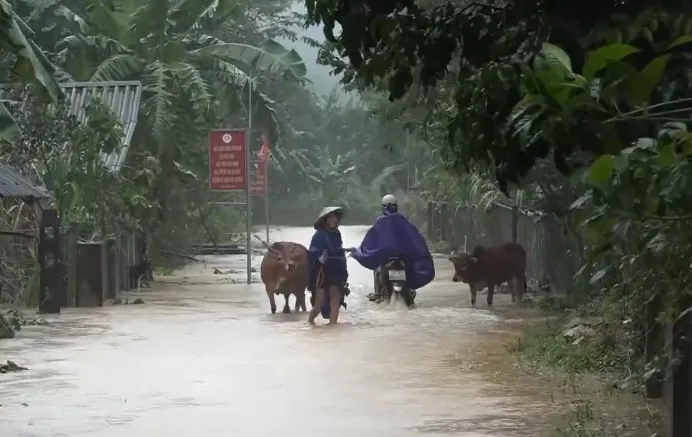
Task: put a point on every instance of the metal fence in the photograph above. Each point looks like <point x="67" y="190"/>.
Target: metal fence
<point x="550" y="247"/>
<point x="554" y="254"/>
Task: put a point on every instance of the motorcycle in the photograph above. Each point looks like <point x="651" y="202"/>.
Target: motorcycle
<point x="392" y="278"/>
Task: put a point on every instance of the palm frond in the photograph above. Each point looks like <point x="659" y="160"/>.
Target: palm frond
<point x="150" y="19"/>
<point x="157" y="105"/>
<point x="379" y="180"/>
<point x="272" y="57"/>
<point x="31" y="63"/>
<point x="118" y="67"/>
<point x="193" y="15"/>
<point x="100" y="44"/>
<point x="193" y="83"/>
<point x="107" y="22"/>
<point x="9" y="131"/>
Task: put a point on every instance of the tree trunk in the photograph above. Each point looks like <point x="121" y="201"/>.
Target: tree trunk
<point x="6" y="330"/>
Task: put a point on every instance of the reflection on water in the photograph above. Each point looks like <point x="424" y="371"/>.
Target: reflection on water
<point x="204" y="356"/>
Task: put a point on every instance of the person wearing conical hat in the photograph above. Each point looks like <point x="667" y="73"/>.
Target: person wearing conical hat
<point x="328" y="274"/>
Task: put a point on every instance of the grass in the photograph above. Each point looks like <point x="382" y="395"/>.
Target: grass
<point x="164" y="270"/>
<point x="593" y="366"/>
<point x="603" y="414"/>
<point x="544" y="344"/>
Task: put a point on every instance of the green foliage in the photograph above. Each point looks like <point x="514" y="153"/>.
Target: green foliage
<point x="182" y="54"/>
<point x="25" y="60"/>
<point x="67" y="156"/>
<point x="487" y="46"/>
<point x="637" y="198"/>
<point x="544" y="344"/>
<point x="584" y="106"/>
<point x="340" y="152"/>
<point x="197" y="74"/>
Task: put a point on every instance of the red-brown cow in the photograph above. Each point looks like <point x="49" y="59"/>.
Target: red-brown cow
<point x="490" y="267"/>
<point x="284" y="270"/>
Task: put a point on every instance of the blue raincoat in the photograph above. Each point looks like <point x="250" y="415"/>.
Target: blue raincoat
<point x="393" y="235"/>
<point x="334" y="270"/>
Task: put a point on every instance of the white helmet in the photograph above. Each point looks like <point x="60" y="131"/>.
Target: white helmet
<point x="389" y="199"/>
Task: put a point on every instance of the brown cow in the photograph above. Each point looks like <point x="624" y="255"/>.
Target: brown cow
<point x="284" y="270"/>
<point x="491" y="266"/>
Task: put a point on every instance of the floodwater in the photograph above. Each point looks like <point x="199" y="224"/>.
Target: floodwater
<point x="204" y="356"/>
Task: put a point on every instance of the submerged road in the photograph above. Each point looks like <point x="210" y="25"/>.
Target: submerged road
<point x="204" y="357"/>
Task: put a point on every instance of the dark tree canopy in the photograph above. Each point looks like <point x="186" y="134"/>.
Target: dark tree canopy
<point x="400" y="39"/>
<point x="398" y="43"/>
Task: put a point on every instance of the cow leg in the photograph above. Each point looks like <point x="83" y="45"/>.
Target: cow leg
<point x="300" y="301"/>
<point x="513" y="288"/>
<point x="521" y="287"/>
<point x="287" y="307"/>
<point x="474" y="292"/>
<point x="272" y="301"/>
<point x="491" y="293"/>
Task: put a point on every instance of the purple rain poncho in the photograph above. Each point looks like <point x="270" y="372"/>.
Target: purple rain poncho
<point x="393" y="235"/>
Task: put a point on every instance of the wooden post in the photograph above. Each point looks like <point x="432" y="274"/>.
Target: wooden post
<point x="470" y="217"/>
<point x="72" y="267"/>
<point x="103" y="296"/>
<point x="654" y="338"/>
<point x="515" y="223"/>
<point x="678" y="396"/>
<point x="112" y="269"/>
<point x="431" y="221"/>
<point x="50" y="296"/>
<point x="443" y="221"/>
<point x="132" y="256"/>
<point x="90" y="286"/>
<point x="123" y="256"/>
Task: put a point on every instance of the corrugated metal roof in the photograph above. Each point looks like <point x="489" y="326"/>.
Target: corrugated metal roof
<point x="13" y="184"/>
<point x="123" y="97"/>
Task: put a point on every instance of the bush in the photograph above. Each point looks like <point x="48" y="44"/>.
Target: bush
<point x="575" y="346"/>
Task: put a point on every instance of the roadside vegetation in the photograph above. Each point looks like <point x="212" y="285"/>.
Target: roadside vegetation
<point x="579" y="110"/>
<point x="197" y="62"/>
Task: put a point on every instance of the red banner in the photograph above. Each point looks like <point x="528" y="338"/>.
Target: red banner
<point x="227" y="160"/>
<point x="259" y="182"/>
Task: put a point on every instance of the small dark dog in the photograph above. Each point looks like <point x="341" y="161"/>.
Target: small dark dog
<point x="139" y="271"/>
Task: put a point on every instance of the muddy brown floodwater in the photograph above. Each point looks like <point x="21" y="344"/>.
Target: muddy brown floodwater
<point x="203" y="357"/>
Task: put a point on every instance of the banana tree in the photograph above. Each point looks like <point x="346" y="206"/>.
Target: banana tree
<point x="20" y="54"/>
<point x="193" y="79"/>
<point x="170" y="47"/>
<point x="333" y="174"/>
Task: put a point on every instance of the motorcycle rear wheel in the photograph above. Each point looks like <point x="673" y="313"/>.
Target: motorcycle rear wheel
<point x="408" y="296"/>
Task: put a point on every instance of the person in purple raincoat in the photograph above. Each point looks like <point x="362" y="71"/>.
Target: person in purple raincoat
<point x="393" y="235"/>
